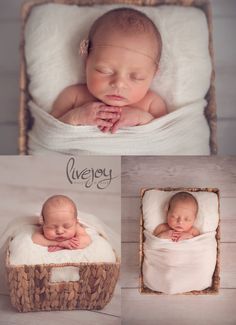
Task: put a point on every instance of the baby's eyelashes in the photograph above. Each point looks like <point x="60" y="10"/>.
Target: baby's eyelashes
<point x="136" y="77"/>
<point x="104" y="71"/>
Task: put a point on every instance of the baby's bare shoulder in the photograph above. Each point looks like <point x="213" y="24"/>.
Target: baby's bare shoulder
<point x="157" y="105"/>
<point x="160" y="228"/>
<point x="74" y="91"/>
<point x="194" y="231"/>
<point x="71" y="97"/>
<point x="80" y="229"/>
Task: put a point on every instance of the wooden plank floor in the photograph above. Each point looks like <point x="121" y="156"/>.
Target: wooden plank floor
<point x="148" y="172"/>
<point x="224" y="26"/>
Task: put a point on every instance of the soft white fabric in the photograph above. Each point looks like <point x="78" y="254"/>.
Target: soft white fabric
<point x="53" y="33"/>
<point x="24" y="251"/>
<point x="182" y="132"/>
<point x="155" y="203"/>
<point x="177" y="267"/>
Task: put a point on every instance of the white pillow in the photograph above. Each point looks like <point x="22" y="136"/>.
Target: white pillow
<point x="155" y="203"/>
<point x="53" y="33"/>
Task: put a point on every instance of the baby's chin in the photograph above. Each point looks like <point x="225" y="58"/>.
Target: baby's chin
<point x="115" y="103"/>
<point x="180" y="229"/>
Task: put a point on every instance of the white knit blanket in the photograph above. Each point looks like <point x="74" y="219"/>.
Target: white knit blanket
<point x="182" y="132"/>
<point x="177" y="267"/>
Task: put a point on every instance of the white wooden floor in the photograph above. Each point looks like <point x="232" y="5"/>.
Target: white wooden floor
<point x="149" y="172"/>
<point x="224" y="26"/>
<point x="25" y="183"/>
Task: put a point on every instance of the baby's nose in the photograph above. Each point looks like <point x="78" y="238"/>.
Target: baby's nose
<point x="118" y="82"/>
<point x="60" y="230"/>
<point x="179" y="220"/>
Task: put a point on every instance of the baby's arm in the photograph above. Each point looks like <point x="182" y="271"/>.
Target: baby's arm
<point x="162" y="229"/>
<point x="131" y="116"/>
<point x="75" y="106"/>
<point x="193" y="232"/>
<point x="165" y="232"/>
<point x="83" y="237"/>
<point x="39" y="239"/>
<point x="157" y="106"/>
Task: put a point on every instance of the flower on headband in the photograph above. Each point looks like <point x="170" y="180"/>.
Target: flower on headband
<point x="83" y="47"/>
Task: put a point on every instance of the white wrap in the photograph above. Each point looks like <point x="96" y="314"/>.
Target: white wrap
<point x="182" y="132"/>
<point x="177" y="267"/>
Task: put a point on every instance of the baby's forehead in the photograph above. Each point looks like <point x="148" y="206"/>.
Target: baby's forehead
<point x="58" y="202"/>
<point x="184" y="204"/>
<point x="115" y="36"/>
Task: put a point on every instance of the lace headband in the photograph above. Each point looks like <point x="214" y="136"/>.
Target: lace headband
<point x="84" y="47"/>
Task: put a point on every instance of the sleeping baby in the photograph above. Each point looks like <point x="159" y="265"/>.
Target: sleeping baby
<point x="60" y="227"/>
<point x="181" y="215"/>
<point x="123" y="51"/>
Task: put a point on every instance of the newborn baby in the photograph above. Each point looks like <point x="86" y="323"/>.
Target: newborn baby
<point x="123" y="52"/>
<point x="60" y="227"/>
<point x="181" y="214"/>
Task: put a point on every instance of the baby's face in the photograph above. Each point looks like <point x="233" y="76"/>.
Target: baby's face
<point x="59" y="223"/>
<point x="181" y="216"/>
<point x="119" y="74"/>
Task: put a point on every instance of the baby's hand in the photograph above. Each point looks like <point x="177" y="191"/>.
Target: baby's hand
<point x="185" y="235"/>
<point x="131" y="116"/>
<point x="95" y="113"/>
<point x="175" y="236"/>
<point x="72" y="243"/>
<point x="166" y="234"/>
<point x="52" y="249"/>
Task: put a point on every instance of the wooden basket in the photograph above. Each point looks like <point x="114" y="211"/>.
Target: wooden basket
<point x="25" y="122"/>
<point x="214" y="289"/>
<point x="31" y="289"/>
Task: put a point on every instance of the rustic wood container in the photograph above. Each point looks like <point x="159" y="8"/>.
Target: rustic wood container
<point x="214" y="289"/>
<point x="31" y="290"/>
<point x="25" y="122"/>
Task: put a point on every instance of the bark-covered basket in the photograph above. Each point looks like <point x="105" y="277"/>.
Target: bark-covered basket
<point x="214" y="288"/>
<point x="31" y="289"/>
<point x="25" y="122"/>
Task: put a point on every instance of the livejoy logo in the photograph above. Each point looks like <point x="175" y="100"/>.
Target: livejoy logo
<point x="89" y="177"/>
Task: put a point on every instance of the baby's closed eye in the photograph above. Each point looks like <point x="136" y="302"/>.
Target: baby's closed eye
<point x="137" y="77"/>
<point x="104" y="70"/>
<point x="67" y="225"/>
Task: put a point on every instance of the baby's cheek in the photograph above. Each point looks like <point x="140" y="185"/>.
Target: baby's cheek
<point x="94" y="85"/>
<point x="49" y="234"/>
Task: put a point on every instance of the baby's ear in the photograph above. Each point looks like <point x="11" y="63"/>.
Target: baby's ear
<point x="41" y="220"/>
<point x="156" y="70"/>
<point x="166" y="208"/>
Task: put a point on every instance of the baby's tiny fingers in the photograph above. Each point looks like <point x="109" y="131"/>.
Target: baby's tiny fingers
<point x="103" y="123"/>
<point x="107" y="115"/>
<point x="111" y="109"/>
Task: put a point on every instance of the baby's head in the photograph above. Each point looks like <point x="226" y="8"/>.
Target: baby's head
<point x="59" y="214"/>
<point x="182" y="211"/>
<point x="124" y="50"/>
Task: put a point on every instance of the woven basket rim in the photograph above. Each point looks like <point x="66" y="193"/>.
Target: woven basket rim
<point x="214" y="289"/>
